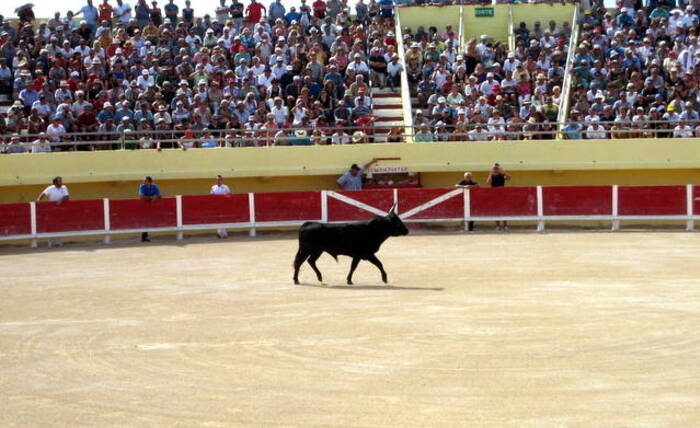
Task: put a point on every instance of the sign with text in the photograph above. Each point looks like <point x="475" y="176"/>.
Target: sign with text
<point x="483" y="12"/>
<point x="388" y="169"/>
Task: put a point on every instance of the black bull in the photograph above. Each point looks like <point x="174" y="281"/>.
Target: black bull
<point x="358" y="240"/>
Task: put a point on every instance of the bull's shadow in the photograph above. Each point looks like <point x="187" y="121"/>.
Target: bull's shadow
<point x="371" y="287"/>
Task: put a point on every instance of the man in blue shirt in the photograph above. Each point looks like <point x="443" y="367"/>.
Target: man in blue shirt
<point x="90" y="15"/>
<point x="386" y="8"/>
<point x="352" y="179"/>
<point x="148" y="192"/>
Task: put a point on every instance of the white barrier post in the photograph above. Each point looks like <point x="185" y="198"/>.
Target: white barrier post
<point x="690" y="226"/>
<point x="324" y="206"/>
<point x="251" y="213"/>
<point x="615" y="222"/>
<point x="178" y="211"/>
<point x="396" y="201"/>
<point x="108" y="225"/>
<point x="32" y="219"/>
<point x="540" y="210"/>
<point x="467" y="209"/>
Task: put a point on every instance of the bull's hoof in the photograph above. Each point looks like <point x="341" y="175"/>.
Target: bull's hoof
<point x="385" y="280"/>
<point x="349" y="282"/>
<point x="296" y="282"/>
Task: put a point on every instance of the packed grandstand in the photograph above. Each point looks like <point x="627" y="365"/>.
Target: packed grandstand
<point x="113" y="76"/>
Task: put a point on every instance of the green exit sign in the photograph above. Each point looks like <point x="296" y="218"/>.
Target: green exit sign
<point x="483" y="12"/>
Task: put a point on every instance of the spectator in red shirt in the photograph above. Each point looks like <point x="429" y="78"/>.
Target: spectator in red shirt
<point x="87" y="120"/>
<point x="254" y="11"/>
<point x="319" y="7"/>
<point x="106" y="10"/>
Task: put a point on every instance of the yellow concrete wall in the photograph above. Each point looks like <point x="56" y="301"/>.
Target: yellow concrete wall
<point x="529" y="13"/>
<point x="439" y="16"/>
<point x="117" y="174"/>
<point x="127" y="189"/>
<point x="496" y="27"/>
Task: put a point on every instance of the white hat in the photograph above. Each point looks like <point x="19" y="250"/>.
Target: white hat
<point x="442" y="100"/>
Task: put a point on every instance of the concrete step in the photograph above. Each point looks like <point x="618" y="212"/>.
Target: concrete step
<point x="4" y="109"/>
<point x="395" y="91"/>
<point x="386" y="101"/>
<point x="388" y="113"/>
<point x="4" y="98"/>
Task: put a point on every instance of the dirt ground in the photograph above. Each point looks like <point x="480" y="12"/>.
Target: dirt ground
<point x="520" y="329"/>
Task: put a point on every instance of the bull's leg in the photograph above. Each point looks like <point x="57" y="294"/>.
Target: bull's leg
<point x="375" y="261"/>
<point x="312" y="261"/>
<point x="353" y="266"/>
<point x="298" y="261"/>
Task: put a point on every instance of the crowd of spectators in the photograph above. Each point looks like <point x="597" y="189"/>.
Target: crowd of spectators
<point x="636" y="72"/>
<point x="483" y="91"/>
<point x="245" y="75"/>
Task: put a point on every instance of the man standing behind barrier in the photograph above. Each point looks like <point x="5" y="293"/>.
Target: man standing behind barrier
<point x="57" y="193"/>
<point x="149" y="192"/>
<point x="497" y="178"/>
<point x="467" y="183"/>
<point x="220" y="189"/>
<point x="352" y="179"/>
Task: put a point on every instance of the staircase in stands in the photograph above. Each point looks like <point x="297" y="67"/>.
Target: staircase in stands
<point x="388" y="110"/>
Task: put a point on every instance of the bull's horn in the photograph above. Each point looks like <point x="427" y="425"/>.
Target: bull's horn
<point x="393" y="208"/>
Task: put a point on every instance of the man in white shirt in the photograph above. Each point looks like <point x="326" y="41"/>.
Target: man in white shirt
<point x="57" y="193"/>
<point x="220" y="189"/>
<point x="122" y="12"/>
<point x="41" y="144"/>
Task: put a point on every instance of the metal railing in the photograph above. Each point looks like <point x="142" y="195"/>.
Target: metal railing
<point x="187" y="139"/>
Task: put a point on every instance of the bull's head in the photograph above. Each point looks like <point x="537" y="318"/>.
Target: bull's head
<point x="396" y="226"/>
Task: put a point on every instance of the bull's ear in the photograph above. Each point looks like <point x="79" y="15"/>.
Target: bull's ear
<point x="392" y="211"/>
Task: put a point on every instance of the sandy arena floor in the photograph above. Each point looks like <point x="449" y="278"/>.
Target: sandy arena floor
<point x="579" y="329"/>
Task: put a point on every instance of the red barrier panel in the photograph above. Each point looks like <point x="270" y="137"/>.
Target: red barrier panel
<point x="573" y="200"/>
<point x="503" y="201"/>
<point x="450" y="208"/>
<point x="15" y="219"/>
<point x="70" y="216"/>
<point x="696" y="200"/>
<point x="289" y="206"/>
<point x="137" y="214"/>
<point x="651" y="200"/>
<point x="211" y="209"/>
<point x="381" y="199"/>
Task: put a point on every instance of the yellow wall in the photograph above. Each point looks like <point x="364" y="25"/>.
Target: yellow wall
<point x="529" y="13"/>
<point x="440" y="17"/>
<point x="117" y="174"/>
<point x="495" y="27"/>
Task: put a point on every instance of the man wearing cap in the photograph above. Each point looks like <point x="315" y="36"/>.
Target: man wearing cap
<point x="352" y="179"/>
<point x="359" y="66"/>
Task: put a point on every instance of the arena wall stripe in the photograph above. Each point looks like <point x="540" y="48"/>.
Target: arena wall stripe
<point x="431" y="203"/>
<point x="140" y="214"/>
<point x="368" y="203"/>
<point x="287" y="206"/>
<point x="574" y="200"/>
<point x="212" y="209"/>
<point x="70" y="216"/>
<point x="503" y="201"/>
<point x="416" y="205"/>
<point x="652" y="200"/>
<point x="15" y="219"/>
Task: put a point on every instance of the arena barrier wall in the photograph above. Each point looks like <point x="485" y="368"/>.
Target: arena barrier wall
<point x="415" y="205"/>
